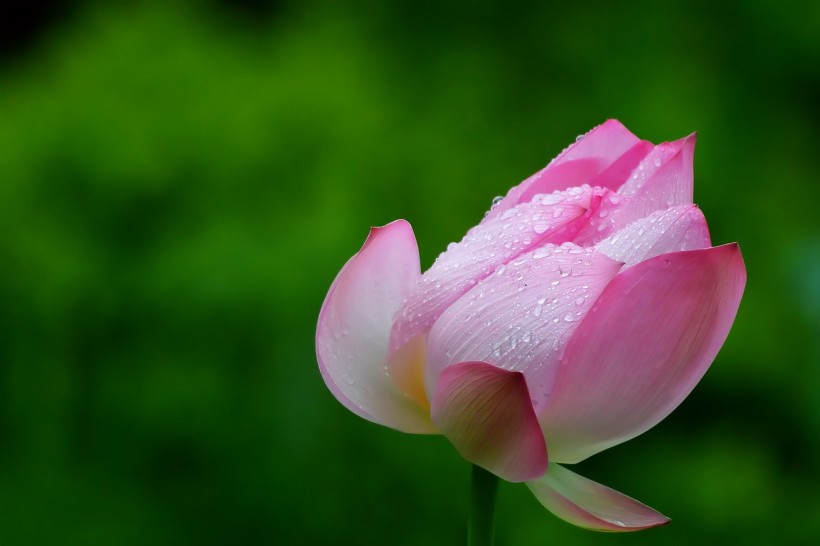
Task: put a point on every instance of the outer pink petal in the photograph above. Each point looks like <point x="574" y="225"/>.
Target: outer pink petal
<point x="579" y="164"/>
<point x="486" y="413"/>
<point x="641" y="349"/>
<point x="664" y="178"/>
<point x="679" y="228"/>
<point x="354" y="327"/>
<point x="590" y="505"/>
<point x="521" y="317"/>
<point x="552" y="218"/>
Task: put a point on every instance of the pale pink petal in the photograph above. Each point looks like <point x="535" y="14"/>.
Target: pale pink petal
<point x="486" y="413"/>
<point x="664" y="178"/>
<point x="678" y="228"/>
<point x="585" y="503"/>
<point x="521" y="317"/>
<point x="578" y="164"/>
<point x="641" y="349"/>
<point x="354" y="327"/>
<point x="549" y="218"/>
<point x="601" y="217"/>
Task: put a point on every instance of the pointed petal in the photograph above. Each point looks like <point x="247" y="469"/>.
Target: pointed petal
<point x="679" y="228"/>
<point x="664" y="178"/>
<point x="641" y="349"/>
<point x="578" y="164"/>
<point x="618" y="172"/>
<point x="486" y="413"/>
<point x="521" y="317"/>
<point x="354" y="327"/>
<point x="548" y="218"/>
<point x="585" y="503"/>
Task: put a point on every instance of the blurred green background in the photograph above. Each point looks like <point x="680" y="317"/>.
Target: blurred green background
<point x="181" y="182"/>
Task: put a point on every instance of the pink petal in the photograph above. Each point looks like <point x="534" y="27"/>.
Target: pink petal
<point x="548" y="218"/>
<point x="641" y="349"/>
<point x="585" y="503"/>
<point x="601" y="218"/>
<point x="486" y="413"/>
<point x="664" y="178"/>
<point x="521" y="317"/>
<point x="578" y="164"/>
<point x="679" y="228"/>
<point x="616" y="174"/>
<point x="354" y="327"/>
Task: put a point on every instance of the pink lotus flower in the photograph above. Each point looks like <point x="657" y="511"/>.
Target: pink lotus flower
<point x="578" y="314"/>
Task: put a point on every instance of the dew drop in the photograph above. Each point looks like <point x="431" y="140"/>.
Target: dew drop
<point x="550" y="198"/>
<point x="540" y="227"/>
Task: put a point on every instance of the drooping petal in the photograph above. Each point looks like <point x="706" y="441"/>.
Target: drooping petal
<point x="641" y="349"/>
<point x="663" y="179"/>
<point x="486" y="413"/>
<point x="590" y="505"/>
<point x="521" y="317"/>
<point x="678" y="228"/>
<point x="578" y="164"/>
<point x="550" y="218"/>
<point x="354" y="328"/>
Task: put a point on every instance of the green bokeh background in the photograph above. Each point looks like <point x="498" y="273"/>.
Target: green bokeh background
<point x="180" y="183"/>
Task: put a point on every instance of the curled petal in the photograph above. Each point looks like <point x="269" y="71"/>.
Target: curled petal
<point x="486" y="413"/>
<point x="641" y="349"/>
<point x="521" y="317"/>
<point x="354" y="328"/>
<point x="664" y="178"/>
<point x="590" y="505"/>
<point x="579" y="164"/>
<point x="678" y="228"/>
<point x="548" y="218"/>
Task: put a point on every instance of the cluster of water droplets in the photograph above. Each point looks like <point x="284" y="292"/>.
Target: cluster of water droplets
<point x="669" y="230"/>
<point x="521" y="317"/>
<point x="485" y="247"/>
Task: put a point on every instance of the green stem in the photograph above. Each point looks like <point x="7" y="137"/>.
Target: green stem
<point x="480" y="527"/>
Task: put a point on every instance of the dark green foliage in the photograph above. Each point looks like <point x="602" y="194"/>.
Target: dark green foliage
<point x="180" y="183"/>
